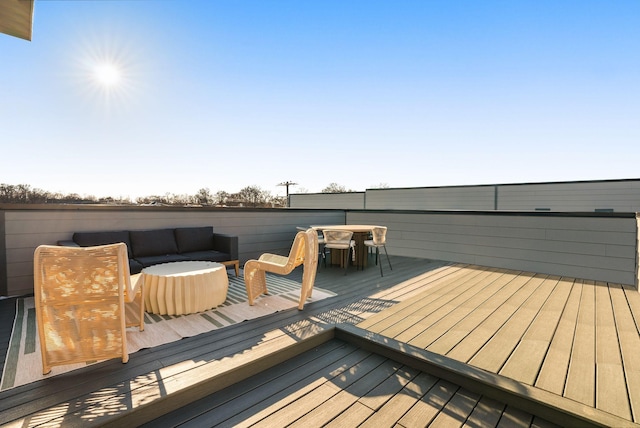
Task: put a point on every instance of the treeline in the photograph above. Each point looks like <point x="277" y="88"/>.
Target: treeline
<point x="250" y="196"/>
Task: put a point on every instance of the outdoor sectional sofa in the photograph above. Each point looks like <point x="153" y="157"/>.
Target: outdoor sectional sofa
<point x="150" y="247"/>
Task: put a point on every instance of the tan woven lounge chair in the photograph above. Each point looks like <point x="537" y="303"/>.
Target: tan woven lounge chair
<point x="304" y="251"/>
<point x="80" y="296"/>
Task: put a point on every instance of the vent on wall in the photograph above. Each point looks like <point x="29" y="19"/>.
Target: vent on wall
<point x="543" y="209"/>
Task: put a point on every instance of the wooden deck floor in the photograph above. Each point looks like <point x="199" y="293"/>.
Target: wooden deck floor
<point x="295" y="368"/>
<point x="577" y="339"/>
<point x="339" y="384"/>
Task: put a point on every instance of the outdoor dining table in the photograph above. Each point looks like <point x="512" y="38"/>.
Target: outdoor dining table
<point x="360" y="234"/>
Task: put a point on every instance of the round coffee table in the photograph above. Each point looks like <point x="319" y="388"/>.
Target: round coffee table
<point x="181" y="288"/>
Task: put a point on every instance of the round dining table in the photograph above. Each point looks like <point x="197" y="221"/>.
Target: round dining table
<point x="360" y="234"/>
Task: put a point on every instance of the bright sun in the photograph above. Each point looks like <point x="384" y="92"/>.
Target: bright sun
<point x="107" y="74"/>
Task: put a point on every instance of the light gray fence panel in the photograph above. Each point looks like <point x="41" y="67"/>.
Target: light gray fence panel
<point x="432" y="198"/>
<point x="619" y="196"/>
<point x="601" y="248"/>
<point x="344" y="201"/>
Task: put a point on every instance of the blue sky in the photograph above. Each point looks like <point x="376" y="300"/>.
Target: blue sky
<point x="225" y="94"/>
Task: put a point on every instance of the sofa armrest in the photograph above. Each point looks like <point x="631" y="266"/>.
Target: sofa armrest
<point x="226" y="244"/>
<point x="68" y="243"/>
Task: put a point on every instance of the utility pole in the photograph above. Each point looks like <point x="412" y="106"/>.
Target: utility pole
<point x="287" y="184"/>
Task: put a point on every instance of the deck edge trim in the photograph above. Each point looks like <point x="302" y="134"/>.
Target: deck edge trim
<point x="536" y="401"/>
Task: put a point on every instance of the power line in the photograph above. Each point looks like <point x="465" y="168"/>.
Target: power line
<point x="287" y="184"/>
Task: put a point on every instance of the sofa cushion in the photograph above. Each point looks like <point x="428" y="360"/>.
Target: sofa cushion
<point x="134" y="267"/>
<point x="157" y="242"/>
<point x="208" y="256"/>
<point x="191" y="239"/>
<point x="91" y="239"/>
<point x="155" y="260"/>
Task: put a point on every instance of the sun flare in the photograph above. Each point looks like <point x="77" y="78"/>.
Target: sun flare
<point x="107" y="74"/>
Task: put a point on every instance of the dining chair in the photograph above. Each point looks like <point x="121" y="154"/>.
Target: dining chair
<point x="304" y="251"/>
<point x="339" y="240"/>
<point x="80" y="296"/>
<point x="379" y="235"/>
<point x="320" y="243"/>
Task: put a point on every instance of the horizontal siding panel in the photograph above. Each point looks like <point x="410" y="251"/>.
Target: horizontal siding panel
<point x="621" y="196"/>
<point x="522" y="234"/>
<point x="602" y="248"/>
<point x="581" y="248"/>
<point x="591" y="236"/>
<point x="352" y="201"/>
<point x="454" y="198"/>
<point x="569" y="259"/>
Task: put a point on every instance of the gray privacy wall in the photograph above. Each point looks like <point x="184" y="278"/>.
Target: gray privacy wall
<point x="578" y="196"/>
<point x="344" y="201"/>
<point x="258" y="231"/>
<point x="614" y="195"/>
<point x="591" y="246"/>
<point x="432" y="198"/>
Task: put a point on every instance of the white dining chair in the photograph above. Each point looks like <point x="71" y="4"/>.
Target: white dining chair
<point x="339" y="240"/>
<point x="379" y="235"/>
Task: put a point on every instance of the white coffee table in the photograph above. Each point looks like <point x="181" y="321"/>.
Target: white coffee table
<point x="181" y="288"/>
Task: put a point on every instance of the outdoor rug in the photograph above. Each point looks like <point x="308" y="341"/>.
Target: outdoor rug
<point x="24" y="361"/>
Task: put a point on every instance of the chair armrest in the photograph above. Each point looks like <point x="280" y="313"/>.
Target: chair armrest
<point x="68" y="243"/>
<point x="226" y="244"/>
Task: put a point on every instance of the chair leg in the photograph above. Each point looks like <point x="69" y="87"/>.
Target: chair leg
<point x="377" y="254"/>
<point x="323" y="254"/>
<point x="346" y="262"/>
<point x="385" y="251"/>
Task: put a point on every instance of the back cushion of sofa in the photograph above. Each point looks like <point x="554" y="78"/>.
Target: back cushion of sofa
<point x="91" y="239"/>
<point x="191" y="239"/>
<point x="155" y="242"/>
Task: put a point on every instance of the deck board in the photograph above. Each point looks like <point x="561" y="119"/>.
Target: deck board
<point x="611" y="389"/>
<point x="432" y="403"/>
<point x="553" y="374"/>
<point x="487" y="411"/>
<point x="503" y="288"/>
<point x="425" y="297"/>
<point x="471" y="344"/>
<point x="580" y="384"/>
<point x="497" y="350"/>
<point x="439" y="308"/>
<point x="400" y="402"/>
<point x="458" y="409"/>
<point x="629" y="344"/>
<point x="365" y="378"/>
<point x="466" y="306"/>
<point x="515" y="418"/>
<point x="525" y="362"/>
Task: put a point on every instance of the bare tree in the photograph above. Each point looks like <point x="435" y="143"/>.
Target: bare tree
<point x="335" y="188"/>
<point x="253" y="196"/>
<point x="221" y="197"/>
<point x="380" y="186"/>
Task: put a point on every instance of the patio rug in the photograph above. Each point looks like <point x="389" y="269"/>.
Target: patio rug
<point x="24" y="362"/>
